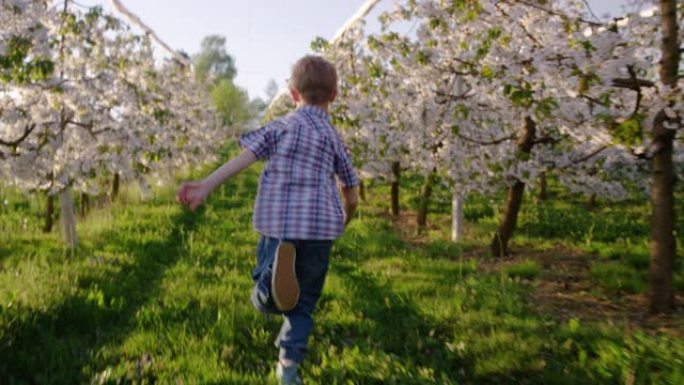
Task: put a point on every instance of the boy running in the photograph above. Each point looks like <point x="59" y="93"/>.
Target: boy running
<point x="298" y="210"/>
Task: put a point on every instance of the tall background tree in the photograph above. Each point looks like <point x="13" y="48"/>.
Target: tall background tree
<point x="213" y="63"/>
<point x="215" y="68"/>
<point x="271" y="90"/>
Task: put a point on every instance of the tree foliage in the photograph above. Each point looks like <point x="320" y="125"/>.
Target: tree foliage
<point x="82" y="98"/>
<point x="215" y="68"/>
<point x="213" y="63"/>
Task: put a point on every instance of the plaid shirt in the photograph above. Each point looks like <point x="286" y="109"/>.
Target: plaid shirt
<point x="298" y="197"/>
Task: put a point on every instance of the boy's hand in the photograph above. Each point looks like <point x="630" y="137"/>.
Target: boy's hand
<point x="347" y="219"/>
<point x="351" y="200"/>
<point x="192" y="194"/>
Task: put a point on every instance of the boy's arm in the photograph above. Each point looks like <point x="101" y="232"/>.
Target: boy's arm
<point x="229" y="169"/>
<point x="347" y="175"/>
<point x="351" y="201"/>
<point x="194" y="193"/>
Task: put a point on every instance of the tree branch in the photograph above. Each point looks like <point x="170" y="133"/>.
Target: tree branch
<point x="632" y="83"/>
<point x="536" y="41"/>
<point x="547" y="140"/>
<point x="488" y="143"/>
<point x="555" y="13"/>
<point x="133" y="18"/>
<point x="553" y="165"/>
<point x="594" y="100"/>
<point x="591" y="11"/>
<point x="13" y="143"/>
<point x="590" y="155"/>
<point x="88" y="127"/>
<point x="632" y="73"/>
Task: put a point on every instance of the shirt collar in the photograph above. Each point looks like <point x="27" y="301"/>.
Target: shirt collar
<point x="315" y="111"/>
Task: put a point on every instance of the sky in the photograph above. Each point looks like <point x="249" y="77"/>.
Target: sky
<point x="264" y="36"/>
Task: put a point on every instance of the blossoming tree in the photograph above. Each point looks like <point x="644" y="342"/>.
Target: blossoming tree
<point x="494" y="93"/>
<point x="83" y="100"/>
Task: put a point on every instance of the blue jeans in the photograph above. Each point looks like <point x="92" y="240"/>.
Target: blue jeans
<point x="311" y="267"/>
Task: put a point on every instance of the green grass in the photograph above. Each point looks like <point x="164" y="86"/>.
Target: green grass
<point x="619" y="278"/>
<point x="526" y="269"/>
<point x="612" y="231"/>
<point x="157" y="294"/>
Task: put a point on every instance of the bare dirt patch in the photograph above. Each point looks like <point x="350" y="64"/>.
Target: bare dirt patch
<point x="565" y="289"/>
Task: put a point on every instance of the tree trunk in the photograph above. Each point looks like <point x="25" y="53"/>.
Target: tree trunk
<point x="116" y="181"/>
<point x="49" y="213"/>
<point x="507" y="226"/>
<point x="426" y="193"/>
<point x="457" y="199"/>
<point x="396" y="171"/>
<point x="593" y="202"/>
<point x="68" y="219"/>
<point x="457" y="224"/>
<point x="84" y="206"/>
<point x="543" y="187"/>
<point x="362" y="190"/>
<point x="514" y="198"/>
<point x="663" y="244"/>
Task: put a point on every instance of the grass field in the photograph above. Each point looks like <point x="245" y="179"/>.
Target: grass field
<point x="157" y="294"/>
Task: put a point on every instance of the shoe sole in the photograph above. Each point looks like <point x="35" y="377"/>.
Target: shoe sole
<point x="284" y="285"/>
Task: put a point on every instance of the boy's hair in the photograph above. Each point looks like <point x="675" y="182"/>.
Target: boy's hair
<point x="314" y="78"/>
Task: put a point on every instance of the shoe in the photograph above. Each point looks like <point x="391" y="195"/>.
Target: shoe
<point x="284" y="285"/>
<point x="287" y="375"/>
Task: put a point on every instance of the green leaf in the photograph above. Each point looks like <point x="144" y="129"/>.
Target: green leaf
<point x="630" y="132"/>
<point x="319" y="44"/>
<point x="487" y="72"/>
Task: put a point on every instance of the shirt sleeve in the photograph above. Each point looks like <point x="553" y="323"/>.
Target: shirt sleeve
<point x="261" y="142"/>
<point x="344" y="169"/>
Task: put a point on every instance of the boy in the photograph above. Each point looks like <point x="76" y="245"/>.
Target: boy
<point x="297" y="211"/>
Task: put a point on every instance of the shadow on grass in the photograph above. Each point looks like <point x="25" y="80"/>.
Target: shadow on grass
<point x="57" y="344"/>
<point x="398" y="335"/>
<point x="397" y="326"/>
<point x="491" y="340"/>
<point x="31" y="246"/>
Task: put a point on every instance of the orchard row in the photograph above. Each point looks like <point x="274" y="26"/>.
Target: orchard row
<point x="84" y="104"/>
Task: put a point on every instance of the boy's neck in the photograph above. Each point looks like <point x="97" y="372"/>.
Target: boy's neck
<point x="323" y="106"/>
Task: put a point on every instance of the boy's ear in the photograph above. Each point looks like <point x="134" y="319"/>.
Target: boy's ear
<point x="296" y="97"/>
<point x="333" y="95"/>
